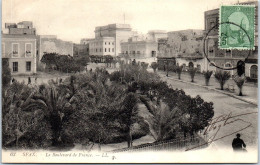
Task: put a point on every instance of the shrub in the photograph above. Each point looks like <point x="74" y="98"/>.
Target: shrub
<point x="222" y="77"/>
<point x="154" y="65"/>
<point x="207" y="76"/>
<point x="240" y="82"/>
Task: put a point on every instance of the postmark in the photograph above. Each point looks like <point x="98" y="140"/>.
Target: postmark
<point x="218" y="25"/>
<point x="241" y="37"/>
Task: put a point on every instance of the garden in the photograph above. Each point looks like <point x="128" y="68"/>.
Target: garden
<point x="98" y="107"/>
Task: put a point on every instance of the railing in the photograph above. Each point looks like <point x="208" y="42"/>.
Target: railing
<point x="176" y="144"/>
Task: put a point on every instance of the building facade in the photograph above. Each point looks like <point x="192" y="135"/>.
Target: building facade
<point x="51" y="44"/>
<point x="143" y="51"/>
<point x="228" y="58"/>
<point x="102" y="46"/>
<point x="20" y="50"/>
<point x="25" y="27"/>
<point x="184" y="48"/>
<point x="116" y="33"/>
<point x="19" y="47"/>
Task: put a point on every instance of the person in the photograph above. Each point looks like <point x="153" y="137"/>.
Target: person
<point x="238" y="144"/>
<point x="29" y="80"/>
<point x="35" y="80"/>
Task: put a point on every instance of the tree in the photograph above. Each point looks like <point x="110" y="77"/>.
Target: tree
<point x="192" y="72"/>
<point x="128" y="115"/>
<point x="154" y="65"/>
<point x="222" y="77"/>
<point x="207" y="76"/>
<point x="240" y="80"/>
<point x="6" y="73"/>
<point x="21" y="128"/>
<point x="179" y="70"/>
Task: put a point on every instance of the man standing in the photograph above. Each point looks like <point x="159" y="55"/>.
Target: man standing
<point x="238" y="144"/>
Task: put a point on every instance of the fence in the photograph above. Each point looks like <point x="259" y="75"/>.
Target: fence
<point x="176" y="144"/>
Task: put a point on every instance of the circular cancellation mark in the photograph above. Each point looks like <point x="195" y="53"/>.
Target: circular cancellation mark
<point x="204" y="43"/>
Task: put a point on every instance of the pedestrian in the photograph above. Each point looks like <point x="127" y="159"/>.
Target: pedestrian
<point x="13" y="80"/>
<point x="29" y="80"/>
<point x="238" y="144"/>
<point x="35" y="80"/>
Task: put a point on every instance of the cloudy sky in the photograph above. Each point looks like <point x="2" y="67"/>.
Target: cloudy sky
<point x="72" y="20"/>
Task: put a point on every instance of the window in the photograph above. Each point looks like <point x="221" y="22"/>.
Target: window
<point x="109" y="43"/>
<point x="15" y="50"/>
<point x="96" y="50"/>
<point x="126" y="52"/>
<point x="105" y="43"/>
<point x="28" y="49"/>
<point x="100" y="50"/>
<point x="15" y="66"/>
<point x="253" y="72"/>
<point x="112" y="43"/>
<point x="28" y="66"/>
<point x="105" y="49"/>
<point x="108" y="49"/>
<point x="112" y="49"/>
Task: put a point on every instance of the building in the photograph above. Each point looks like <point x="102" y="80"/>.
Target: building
<point x="143" y="51"/>
<point x="228" y="58"/>
<point x="114" y="34"/>
<point x="85" y="41"/>
<point x="184" y="48"/>
<point x="102" y="46"/>
<point x="155" y="35"/>
<point x="25" y="27"/>
<point x="142" y="47"/>
<point x="19" y="48"/>
<point x="80" y="50"/>
<point x="51" y="44"/>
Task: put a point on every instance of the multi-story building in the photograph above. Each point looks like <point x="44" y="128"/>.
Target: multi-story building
<point x="183" y="47"/>
<point x="102" y="46"/>
<point x="228" y="58"/>
<point x="112" y="33"/>
<point x="143" y="51"/>
<point x="51" y="44"/>
<point x="20" y="49"/>
<point x="141" y="47"/>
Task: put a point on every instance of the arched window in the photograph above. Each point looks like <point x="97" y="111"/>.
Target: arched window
<point x="253" y="72"/>
<point x="228" y="65"/>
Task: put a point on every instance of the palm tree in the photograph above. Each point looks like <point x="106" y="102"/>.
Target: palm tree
<point x="192" y="72"/>
<point x="154" y="65"/>
<point x="222" y="77"/>
<point x="54" y="107"/>
<point x="240" y="82"/>
<point x="207" y="76"/>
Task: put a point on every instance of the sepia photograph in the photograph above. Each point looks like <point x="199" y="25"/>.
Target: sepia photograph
<point x="129" y="81"/>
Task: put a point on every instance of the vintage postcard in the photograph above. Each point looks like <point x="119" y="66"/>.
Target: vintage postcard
<point x="123" y="81"/>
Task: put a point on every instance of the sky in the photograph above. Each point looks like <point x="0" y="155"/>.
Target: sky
<point x="72" y="20"/>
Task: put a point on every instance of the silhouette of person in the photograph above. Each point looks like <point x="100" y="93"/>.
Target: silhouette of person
<point x="29" y="80"/>
<point x="238" y="144"/>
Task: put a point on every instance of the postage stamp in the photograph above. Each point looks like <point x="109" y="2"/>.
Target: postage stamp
<point x="237" y="27"/>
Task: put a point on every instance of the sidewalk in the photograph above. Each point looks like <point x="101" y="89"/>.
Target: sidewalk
<point x="249" y="89"/>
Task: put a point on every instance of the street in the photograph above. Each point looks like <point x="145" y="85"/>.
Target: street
<point x="225" y="107"/>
